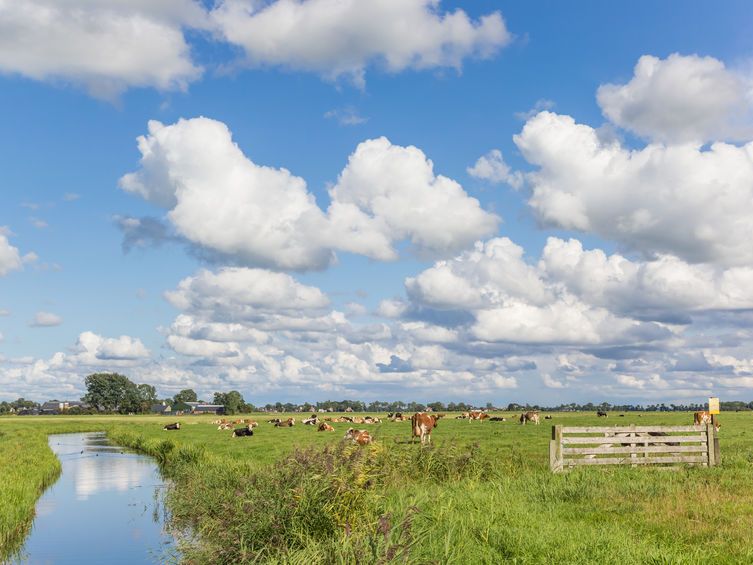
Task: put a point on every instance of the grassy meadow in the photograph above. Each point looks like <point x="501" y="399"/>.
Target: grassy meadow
<point x="482" y="493"/>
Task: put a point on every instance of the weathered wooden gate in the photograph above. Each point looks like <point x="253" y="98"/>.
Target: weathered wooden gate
<point x="632" y="445"/>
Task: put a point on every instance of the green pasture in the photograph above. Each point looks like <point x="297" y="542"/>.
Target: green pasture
<point x="482" y="493"/>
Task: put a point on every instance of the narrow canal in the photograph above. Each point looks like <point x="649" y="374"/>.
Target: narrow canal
<point x="106" y="507"/>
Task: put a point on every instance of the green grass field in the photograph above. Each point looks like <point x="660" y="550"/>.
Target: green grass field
<point x="482" y="494"/>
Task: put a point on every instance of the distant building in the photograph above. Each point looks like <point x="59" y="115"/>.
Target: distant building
<point x="201" y="408"/>
<point x="52" y="407"/>
<point x="161" y="408"/>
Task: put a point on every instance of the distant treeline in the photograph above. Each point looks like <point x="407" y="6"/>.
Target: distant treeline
<point x="115" y="393"/>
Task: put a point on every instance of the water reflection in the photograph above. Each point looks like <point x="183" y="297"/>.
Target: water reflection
<point x="105" y="508"/>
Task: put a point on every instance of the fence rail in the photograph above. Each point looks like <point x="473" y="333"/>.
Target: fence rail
<point x="633" y="445"/>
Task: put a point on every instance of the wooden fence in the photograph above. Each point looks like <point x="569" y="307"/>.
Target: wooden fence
<point x="633" y="445"/>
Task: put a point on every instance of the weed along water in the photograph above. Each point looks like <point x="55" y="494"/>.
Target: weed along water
<point x="106" y="507"/>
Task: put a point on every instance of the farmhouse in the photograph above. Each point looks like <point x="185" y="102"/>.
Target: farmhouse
<point x="52" y="407"/>
<point x="204" y="408"/>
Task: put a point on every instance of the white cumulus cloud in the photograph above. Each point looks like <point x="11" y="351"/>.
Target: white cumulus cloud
<point x="106" y="46"/>
<point x="681" y="99"/>
<point x="220" y="200"/>
<point x="694" y="203"/>
<point x="45" y="320"/>
<point x="342" y="37"/>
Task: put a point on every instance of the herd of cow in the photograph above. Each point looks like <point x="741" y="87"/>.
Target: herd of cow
<point x="422" y="423"/>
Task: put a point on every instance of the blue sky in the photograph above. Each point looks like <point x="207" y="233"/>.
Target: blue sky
<point x="642" y="295"/>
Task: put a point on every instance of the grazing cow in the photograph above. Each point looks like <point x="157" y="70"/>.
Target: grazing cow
<point x="243" y="432"/>
<point x="361" y="437"/>
<point x="175" y="426"/>
<point x="702" y="418"/>
<point x="498" y="419"/>
<point x="313" y="421"/>
<point x="289" y="423"/>
<point x="422" y="425"/>
<point x="477" y="415"/>
<point x="325" y="427"/>
<point x="601" y="414"/>
<point x="547" y="417"/>
<point x="529" y="416"/>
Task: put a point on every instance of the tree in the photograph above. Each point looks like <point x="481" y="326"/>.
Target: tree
<point x="232" y="401"/>
<point x="147" y="396"/>
<point x="185" y="395"/>
<point x="109" y="391"/>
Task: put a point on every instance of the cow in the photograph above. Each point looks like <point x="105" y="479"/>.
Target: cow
<point x="360" y="437"/>
<point x="602" y="414"/>
<point x="274" y="421"/>
<point x="703" y="418"/>
<point x="547" y="417"/>
<point x="477" y="415"/>
<point x="529" y="416"/>
<point x="325" y="427"/>
<point x="497" y="419"/>
<point x="396" y="416"/>
<point x="225" y="426"/>
<point x="422" y="424"/>
<point x="243" y="432"/>
<point x="289" y="423"/>
<point x="313" y="421"/>
<point x="175" y="426"/>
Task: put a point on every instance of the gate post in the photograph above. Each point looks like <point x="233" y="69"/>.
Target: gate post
<point x="555" y="449"/>
<point x="710" y="444"/>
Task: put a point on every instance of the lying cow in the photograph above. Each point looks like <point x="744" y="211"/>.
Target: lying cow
<point x="225" y="426"/>
<point x="497" y="419"/>
<point x="601" y="414"/>
<point x="175" y="426"/>
<point x="547" y="417"/>
<point x="274" y="421"/>
<point x="361" y="437"/>
<point x="530" y="416"/>
<point x="422" y="424"/>
<point x="289" y="423"/>
<point x="370" y="420"/>
<point x="243" y="432"/>
<point x="396" y="417"/>
<point x="703" y="418"/>
<point x="313" y="421"/>
<point x="325" y="427"/>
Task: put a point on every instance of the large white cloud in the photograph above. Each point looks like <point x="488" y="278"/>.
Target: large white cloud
<point x="219" y="199"/>
<point x="693" y="203"/>
<point x="681" y="99"/>
<point x="241" y="292"/>
<point x="104" y="45"/>
<point x="512" y="301"/>
<point x="342" y="37"/>
<point x="641" y="288"/>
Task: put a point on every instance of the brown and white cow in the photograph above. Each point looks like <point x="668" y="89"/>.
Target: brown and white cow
<point x="477" y="415"/>
<point x="313" y="421"/>
<point x="703" y="417"/>
<point x="325" y="427"/>
<point x="289" y="423"/>
<point x="361" y="437"/>
<point x="530" y="416"/>
<point x="421" y="425"/>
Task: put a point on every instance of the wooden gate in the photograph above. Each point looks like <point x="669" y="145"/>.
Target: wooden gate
<point x="633" y="445"/>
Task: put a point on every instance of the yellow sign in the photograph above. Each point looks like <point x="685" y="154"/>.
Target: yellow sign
<point x="713" y="405"/>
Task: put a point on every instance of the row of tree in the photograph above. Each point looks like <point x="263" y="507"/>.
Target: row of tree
<point x="116" y="393"/>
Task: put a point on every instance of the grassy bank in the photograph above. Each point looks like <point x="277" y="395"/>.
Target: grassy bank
<point x="483" y="493"/>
